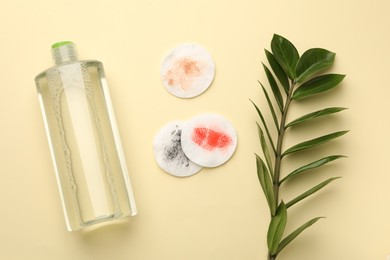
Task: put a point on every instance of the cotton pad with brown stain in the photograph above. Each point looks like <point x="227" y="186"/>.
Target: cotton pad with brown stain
<point x="187" y="71"/>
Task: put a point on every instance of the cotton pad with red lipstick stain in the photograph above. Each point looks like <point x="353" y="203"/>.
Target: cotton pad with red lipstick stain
<point x="208" y="140"/>
<point x="169" y="154"/>
<point x="187" y="71"/>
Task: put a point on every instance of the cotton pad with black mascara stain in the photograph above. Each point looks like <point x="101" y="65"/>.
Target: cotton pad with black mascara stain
<point x="187" y="71"/>
<point x="169" y="154"/>
<point x="208" y="140"/>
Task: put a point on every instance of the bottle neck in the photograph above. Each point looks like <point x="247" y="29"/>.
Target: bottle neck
<point x="64" y="53"/>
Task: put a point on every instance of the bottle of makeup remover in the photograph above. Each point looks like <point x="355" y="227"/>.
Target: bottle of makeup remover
<point x="84" y="140"/>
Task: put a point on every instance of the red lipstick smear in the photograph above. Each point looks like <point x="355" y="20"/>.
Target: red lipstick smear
<point x="209" y="139"/>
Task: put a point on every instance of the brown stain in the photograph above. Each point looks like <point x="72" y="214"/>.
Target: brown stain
<point x="183" y="73"/>
<point x="190" y="67"/>
<point x="171" y="81"/>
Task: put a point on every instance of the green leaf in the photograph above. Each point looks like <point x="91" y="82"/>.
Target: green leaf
<point x="266" y="184"/>
<point x="276" y="228"/>
<point x="287" y="240"/>
<point x="313" y="142"/>
<point x="278" y="71"/>
<point x="313" y="61"/>
<point x="274" y="87"/>
<point x="264" y="147"/>
<point x="265" y="125"/>
<point x="317" y="85"/>
<point x="310" y="192"/>
<point x="271" y="107"/>
<point x="286" y="54"/>
<point x="312" y="165"/>
<point x="315" y="114"/>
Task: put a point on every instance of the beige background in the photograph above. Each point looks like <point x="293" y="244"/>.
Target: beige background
<point x="218" y="214"/>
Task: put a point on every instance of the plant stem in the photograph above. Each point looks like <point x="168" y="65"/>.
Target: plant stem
<point x="278" y="154"/>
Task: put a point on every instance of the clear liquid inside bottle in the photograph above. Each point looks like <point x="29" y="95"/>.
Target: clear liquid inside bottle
<point x="84" y="140"/>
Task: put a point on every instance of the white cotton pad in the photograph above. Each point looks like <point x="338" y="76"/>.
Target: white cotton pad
<point x="169" y="154"/>
<point x="208" y="140"/>
<point x="187" y="71"/>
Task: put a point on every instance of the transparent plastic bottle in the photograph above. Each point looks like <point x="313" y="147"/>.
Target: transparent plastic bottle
<point x="84" y="140"/>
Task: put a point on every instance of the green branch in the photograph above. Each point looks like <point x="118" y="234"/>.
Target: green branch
<point x="298" y="78"/>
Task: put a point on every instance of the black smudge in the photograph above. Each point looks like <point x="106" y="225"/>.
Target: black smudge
<point x="173" y="151"/>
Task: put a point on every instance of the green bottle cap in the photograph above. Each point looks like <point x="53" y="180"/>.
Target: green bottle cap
<point x="59" y="44"/>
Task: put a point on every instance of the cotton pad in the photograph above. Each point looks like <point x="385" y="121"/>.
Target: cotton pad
<point x="169" y="154"/>
<point x="208" y="140"/>
<point x="187" y="71"/>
